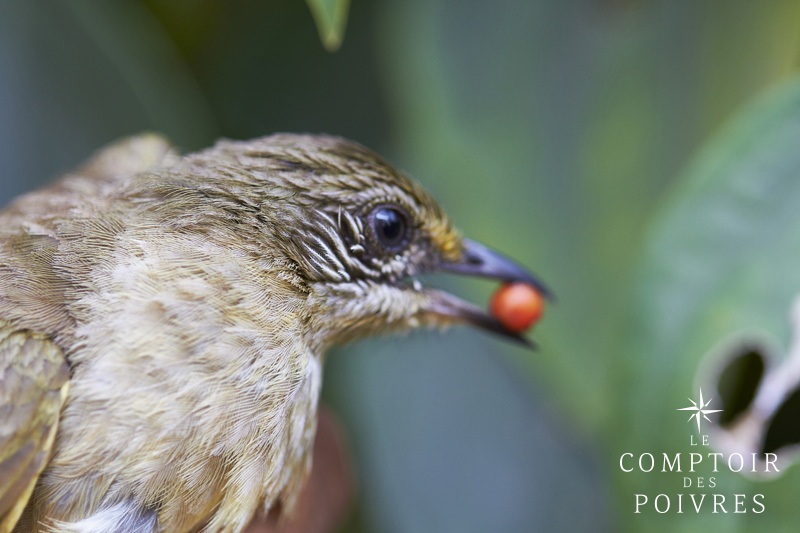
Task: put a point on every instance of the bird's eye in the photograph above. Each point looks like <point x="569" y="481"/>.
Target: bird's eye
<point x="390" y="226"/>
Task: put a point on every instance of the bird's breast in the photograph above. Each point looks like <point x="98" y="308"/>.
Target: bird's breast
<point x="193" y="391"/>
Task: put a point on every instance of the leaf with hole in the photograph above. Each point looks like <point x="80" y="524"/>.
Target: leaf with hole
<point x="720" y="260"/>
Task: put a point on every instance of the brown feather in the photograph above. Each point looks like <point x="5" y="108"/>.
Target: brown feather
<point x="194" y="298"/>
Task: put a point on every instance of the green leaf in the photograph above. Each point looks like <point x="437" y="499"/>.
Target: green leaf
<point x="721" y="262"/>
<point x="331" y="19"/>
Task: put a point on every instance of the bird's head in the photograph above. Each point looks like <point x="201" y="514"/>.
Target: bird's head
<point x="355" y="231"/>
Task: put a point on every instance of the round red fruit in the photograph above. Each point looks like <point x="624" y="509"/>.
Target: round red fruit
<point x="517" y="306"/>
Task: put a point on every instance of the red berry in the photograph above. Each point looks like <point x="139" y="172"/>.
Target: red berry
<point x="517" y="306"/>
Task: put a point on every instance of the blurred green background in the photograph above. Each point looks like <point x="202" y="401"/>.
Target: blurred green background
<point x="560" y="132"/>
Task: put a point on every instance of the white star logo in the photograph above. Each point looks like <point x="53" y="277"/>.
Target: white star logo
<point x="700" y="408"/>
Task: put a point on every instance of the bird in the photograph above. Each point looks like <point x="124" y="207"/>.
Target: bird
<point x="164" y="321"/>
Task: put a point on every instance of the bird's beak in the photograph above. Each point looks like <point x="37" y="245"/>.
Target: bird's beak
<point x="481" y="261"/>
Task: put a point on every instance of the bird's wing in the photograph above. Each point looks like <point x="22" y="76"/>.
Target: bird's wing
<point x="33" y="386"/>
